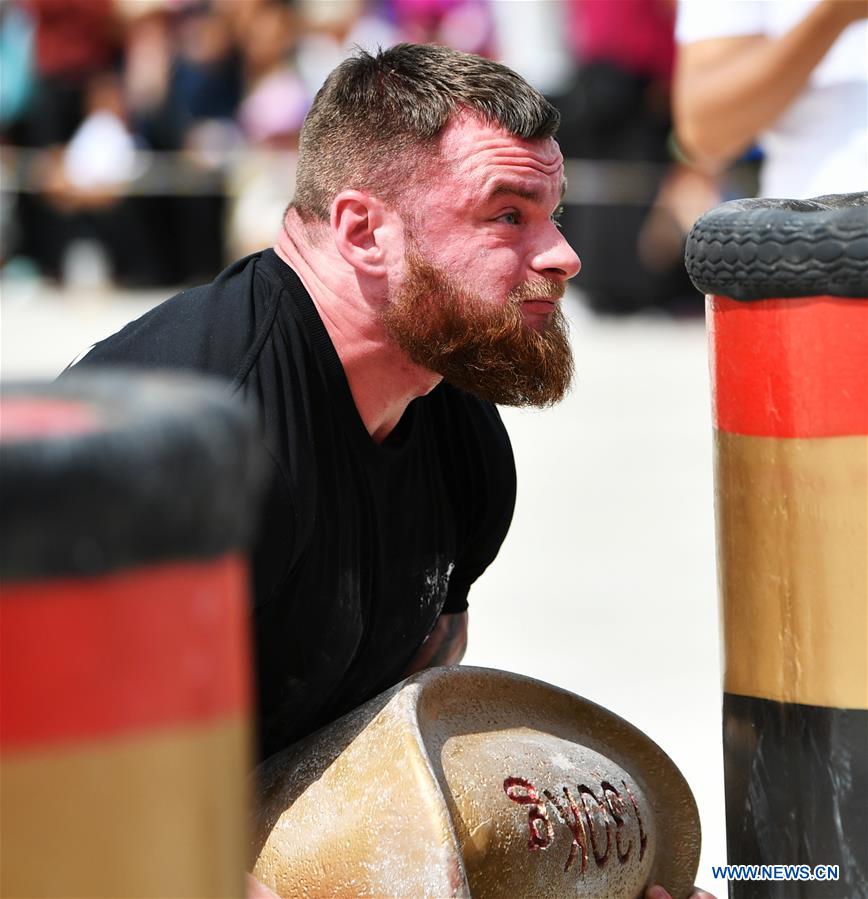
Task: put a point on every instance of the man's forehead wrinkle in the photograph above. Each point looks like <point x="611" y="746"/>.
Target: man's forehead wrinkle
<point x="480" y="156"/>
<point x="525" y="162"/>
<point x="547" y="163"/>
<point x="468" y="136"/>
<point x="528" y="180"/>
<point x="527" y="190"/>
<point x="548" y="157"/>
<point x="519" y="166"/>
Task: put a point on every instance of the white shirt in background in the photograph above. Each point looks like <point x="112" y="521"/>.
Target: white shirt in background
<point x="819" y="144"/>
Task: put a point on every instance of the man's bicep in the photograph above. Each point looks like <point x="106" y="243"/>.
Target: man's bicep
<point x="703" y="67"/>
<point x="445" y="645"/>
<point x="711" y="53"/>
<point x="453" y="627"/>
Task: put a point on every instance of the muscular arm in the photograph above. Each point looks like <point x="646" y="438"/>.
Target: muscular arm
<point x="727" y="90"/>
<point x="445" y="645"/>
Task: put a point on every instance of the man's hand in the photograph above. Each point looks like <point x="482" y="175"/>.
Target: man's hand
<point x="257" y="890"/>
<point x="445" y="644"/>
<point x="657" y="892"/>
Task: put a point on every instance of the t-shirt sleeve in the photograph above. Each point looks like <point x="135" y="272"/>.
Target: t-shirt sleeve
<point x="209" y="330"/>
<point x="699" y="20"/>
<point x="218" y="330"/>
<point x="456" y="599"/>
<point x="488" y="488"/>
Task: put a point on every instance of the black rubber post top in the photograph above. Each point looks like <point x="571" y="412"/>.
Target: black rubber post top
<point x="122" y="469"/>
<point x="763" y="249"/>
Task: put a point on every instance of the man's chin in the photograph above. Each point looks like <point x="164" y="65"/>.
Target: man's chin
<point x="514" y="354"/>
<point x="535" y="370"/>
<point x="516" y="398"/>
<point x="509" y="385"/>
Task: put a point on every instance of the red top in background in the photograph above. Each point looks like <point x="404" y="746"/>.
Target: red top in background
<point x="638" y="35"/>
<point x="73" y="38"/>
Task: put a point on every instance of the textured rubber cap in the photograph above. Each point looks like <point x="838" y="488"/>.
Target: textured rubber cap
<point x="766" y="249"/>
<point x="106" y="470"/>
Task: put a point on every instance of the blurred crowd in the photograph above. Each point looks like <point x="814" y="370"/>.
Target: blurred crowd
<point x="148" y="142"/>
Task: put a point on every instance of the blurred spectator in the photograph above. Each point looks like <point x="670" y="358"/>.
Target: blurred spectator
<point x="329" y="30"/>
<point x="85" y="184"/>
<point x="101" y="154"/>
<point x="792" y="74"/>
<point x="274" y="105"/>
<point x="618" y="112"/>
<point x="275" y="101"/>
<point x="206" y="76"/>
<point x="530" y="38"/>
<point x="75" y="40"/>
<point x="287" y="51"/>
<point x="73" y="43"/>
<point x="463" y="24"/>
<point x="204" y="91"/>
<point x="16" y="67"/>
<point x="147" y="73"/>
<point x="16" y="86"/>
<point x="169" y="127"/>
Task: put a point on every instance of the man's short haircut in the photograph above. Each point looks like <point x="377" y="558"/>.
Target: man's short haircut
<point x="378" y="116"/>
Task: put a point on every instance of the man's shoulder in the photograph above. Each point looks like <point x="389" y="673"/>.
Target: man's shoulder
<point x="213" y="328"/>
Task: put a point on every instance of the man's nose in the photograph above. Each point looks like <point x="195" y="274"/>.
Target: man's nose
<point x="558" y="261"/>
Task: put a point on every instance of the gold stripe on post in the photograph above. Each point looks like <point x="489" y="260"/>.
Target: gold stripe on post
<point x="159" y="813"/>
<point x="792" y="520"/>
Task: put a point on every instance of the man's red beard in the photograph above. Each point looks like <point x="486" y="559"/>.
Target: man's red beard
<point x="483" y="348"/>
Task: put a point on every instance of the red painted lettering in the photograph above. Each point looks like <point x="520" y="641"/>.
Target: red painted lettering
<point x="541" y="830"/>
<point x="576" y="826"/>
<point x="615" y="804"/>
<point x="643" y="838"/>
<point x="587" y="819"/>
<point x="599" y="857"/>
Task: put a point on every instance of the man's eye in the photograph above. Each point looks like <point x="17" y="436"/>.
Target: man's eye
<point x="557" y="215"/>
<point x="511" y="218"/>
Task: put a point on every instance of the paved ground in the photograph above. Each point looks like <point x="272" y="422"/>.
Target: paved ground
<point x="606" y="583"/>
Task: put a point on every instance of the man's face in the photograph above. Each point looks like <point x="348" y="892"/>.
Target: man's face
<point x="485" y="269"/>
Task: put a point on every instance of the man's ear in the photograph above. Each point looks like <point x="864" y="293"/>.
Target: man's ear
<point x="361" y="227"/>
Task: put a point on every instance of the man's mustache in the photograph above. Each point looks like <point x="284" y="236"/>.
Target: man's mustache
<point x="538" y="289"/>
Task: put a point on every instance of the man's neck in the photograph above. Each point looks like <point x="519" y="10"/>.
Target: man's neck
<point x="382" y="380"/>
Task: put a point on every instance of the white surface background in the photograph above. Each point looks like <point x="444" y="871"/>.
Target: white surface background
<point x="606" y="584"/>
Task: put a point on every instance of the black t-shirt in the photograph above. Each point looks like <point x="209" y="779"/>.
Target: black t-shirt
<point x="362" y="546"/>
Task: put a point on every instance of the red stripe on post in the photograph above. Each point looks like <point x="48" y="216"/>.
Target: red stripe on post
<point x="32" y="417"/>
<point x="91" y="657"/>
<point x="790" y="367"/>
